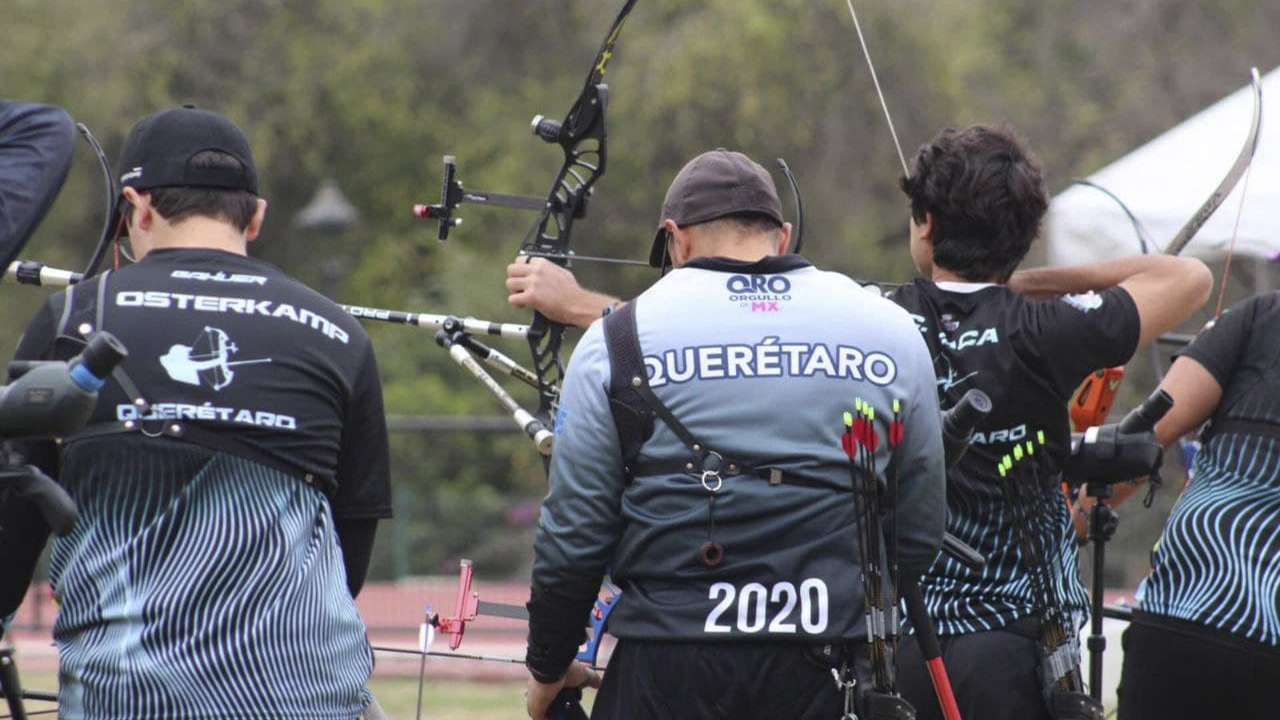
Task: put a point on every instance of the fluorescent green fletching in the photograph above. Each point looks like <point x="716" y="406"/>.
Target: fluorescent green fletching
<point x="897" y="406"/>
<point x="1017" y="452"/>
<point x="848" y="419"/>
<point x="1040" y="436"/>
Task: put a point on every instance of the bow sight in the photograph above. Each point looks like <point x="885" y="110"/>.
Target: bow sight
<point x="581" y="135"/>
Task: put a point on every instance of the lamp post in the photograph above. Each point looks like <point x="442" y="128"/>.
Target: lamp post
<point x="330" y="214"/>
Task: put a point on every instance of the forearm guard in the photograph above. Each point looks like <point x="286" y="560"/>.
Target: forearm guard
<point x="557" y="625"/>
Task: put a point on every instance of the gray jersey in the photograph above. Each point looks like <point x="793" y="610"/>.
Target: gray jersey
<point x="759" y="361"/>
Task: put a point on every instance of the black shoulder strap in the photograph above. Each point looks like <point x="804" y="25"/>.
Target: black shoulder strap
<point x="64" y="317"/>
<point x="68" y="313"/>
<point x="631" y="413"/>
<point x="634" y="404"/>
<point x="72" y="337"/>
<point x="100" y="310"/>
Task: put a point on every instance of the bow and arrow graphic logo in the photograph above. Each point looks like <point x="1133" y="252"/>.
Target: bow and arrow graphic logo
<point x="206" y="361"/>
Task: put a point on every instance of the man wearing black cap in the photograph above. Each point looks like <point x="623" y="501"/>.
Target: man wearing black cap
<point x="231" y="478"/>
<point x="699" y="462"/>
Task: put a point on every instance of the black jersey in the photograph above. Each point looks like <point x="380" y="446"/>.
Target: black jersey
<point x="1215" y="562"/>
<point x="1028" y="357"/>
<point x="230" y="345"/>
<point x="208" y="559"/>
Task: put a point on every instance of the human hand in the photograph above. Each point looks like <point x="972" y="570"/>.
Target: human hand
<point x="553" y="291"/>
<point x="544" y="286"/>
<point x="538" y="696"/>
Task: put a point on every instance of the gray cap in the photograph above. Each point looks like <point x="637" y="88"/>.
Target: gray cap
<point x="713" y="185"/>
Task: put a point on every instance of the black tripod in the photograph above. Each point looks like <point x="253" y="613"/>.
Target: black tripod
<point x="1100" y="458"/>
<point x="47" y="399"/>
<point x="1102" y="522"/>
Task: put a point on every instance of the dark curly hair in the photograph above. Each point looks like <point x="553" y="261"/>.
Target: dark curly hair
<point x="987" y="195"/>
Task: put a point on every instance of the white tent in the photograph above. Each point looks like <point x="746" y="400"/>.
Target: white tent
<point x="1165" y="181"/>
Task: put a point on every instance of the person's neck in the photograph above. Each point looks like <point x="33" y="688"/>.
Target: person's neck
<point x="751" y="251"/>
<point x="199" y="233"/>
<point x="941" y="274"/>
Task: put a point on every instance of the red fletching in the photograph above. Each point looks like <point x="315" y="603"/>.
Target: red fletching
<point x="896" y="432"/>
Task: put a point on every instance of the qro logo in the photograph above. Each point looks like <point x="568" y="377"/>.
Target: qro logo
<point x="774" y="284"/>
<point x="760" y="293"/>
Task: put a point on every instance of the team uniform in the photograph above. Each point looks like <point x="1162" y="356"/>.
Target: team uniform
<point x="1205" y="641"/>
<point x="757" y="361"/>
<point x="205" y="578"/>
<point x="1029" y="357"/>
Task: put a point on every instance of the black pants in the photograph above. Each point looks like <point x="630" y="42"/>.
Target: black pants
<point x="1177" y="669"/>
<point x="718" y="681"/>
<point x="994" y="675"/>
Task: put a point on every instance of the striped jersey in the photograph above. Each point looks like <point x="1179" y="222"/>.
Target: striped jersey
<point x="201" y="585"/>
<point x="1028" y="357"/>
<point x="1218" y="558"/>
<point x="204" y="579"/>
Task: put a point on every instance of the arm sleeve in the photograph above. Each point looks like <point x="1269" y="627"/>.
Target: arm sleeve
<point x="356" y="536"/>
<point x="364" y="459"/>
<point x="921" y="511"/>
<point x="1221" y="344"/>
<point x="1081" y="333"/>
<point x="581" y="515"/>
<point x="36" y="145"/>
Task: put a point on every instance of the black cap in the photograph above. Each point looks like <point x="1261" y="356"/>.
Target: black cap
<point x="159" y="147"/>
<point x="713" y="185"/>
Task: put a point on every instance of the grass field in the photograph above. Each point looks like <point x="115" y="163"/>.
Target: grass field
<point x="449" y="699"/>
<point x="442" y="699"/>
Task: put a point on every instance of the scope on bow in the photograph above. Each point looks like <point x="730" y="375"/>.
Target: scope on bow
<point x="454" y="194"/>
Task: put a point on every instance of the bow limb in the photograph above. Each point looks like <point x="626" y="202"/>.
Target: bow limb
<point x="1228" y="183"/>
<point x="582" y="136"/>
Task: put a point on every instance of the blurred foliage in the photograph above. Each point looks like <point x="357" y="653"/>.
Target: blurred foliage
<point x="372" y="93"/>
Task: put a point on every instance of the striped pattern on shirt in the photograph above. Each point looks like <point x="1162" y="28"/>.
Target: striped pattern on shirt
<point x="202" y="585"/>
<point x="962" y="599"/>
<point x="1218" y="559"/>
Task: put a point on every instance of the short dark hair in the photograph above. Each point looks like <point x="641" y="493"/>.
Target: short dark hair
<point x="743" y="223"/>
<point x="177" y="203"/>
<point x="987" y="195"/>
